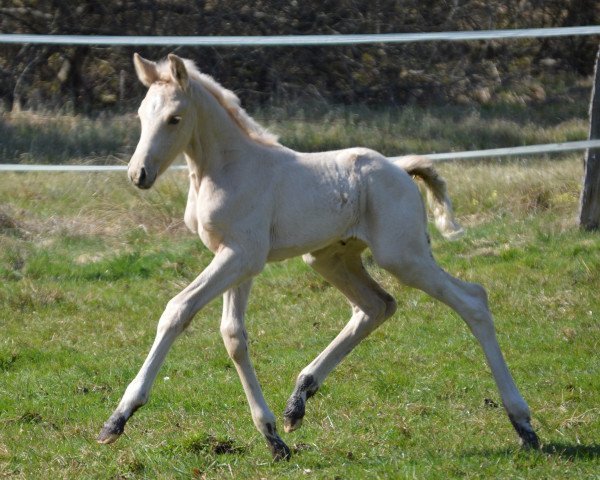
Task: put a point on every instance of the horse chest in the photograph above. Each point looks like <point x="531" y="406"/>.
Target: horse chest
<point x="218" y="217"/>
<point x="210" y="219"/>
<point x="212" y="240"/>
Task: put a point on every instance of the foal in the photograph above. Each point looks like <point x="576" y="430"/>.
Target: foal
<point x="252" y="200"/>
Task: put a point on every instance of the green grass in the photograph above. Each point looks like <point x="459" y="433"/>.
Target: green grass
<point x="87" y="264"/>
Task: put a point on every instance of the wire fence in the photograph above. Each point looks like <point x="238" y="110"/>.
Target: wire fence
<point x="437" y="157"/>
<point x="311" y="40"/>
<point x="297" y="40"/>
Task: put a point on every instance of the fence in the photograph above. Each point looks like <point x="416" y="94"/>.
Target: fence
<point x="437" y="157"/>
<point x="313" y="40"/>
<point x="297" y="40"/>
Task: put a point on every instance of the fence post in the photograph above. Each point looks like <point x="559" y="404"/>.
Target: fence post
<point x="589" y="212"/>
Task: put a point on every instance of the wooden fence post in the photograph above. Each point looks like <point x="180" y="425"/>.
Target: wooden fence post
<point x="589" y="211"/>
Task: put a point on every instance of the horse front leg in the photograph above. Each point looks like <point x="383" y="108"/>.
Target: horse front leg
<point x="227" y="268"/>
<point x="235" y="338"/>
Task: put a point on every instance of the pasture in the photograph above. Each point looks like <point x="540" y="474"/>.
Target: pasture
<point x="87" y="264"/>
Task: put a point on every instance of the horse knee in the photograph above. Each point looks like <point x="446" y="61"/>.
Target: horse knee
<point x="236" y="342"/>
<point x="174" y="318"/>
<point x="477" y="300"/>
<point x="478" y="292"/>
<point x="477" y="313"/>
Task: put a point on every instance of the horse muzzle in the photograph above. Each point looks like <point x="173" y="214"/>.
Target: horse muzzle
<point x="142" y="177"/>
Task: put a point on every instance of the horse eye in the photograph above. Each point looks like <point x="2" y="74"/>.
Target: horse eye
<point x="174" y="120"/>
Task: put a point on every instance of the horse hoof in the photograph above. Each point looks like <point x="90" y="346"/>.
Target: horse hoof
<point x="105" y="437"/>
<point x="306" y="387"/>
<point x="111" y="430"/>
<point x="291" y="424"/>
<point x="279" y="449"/>
<point x="529" y="439"/>
<point x="293" y="413"/>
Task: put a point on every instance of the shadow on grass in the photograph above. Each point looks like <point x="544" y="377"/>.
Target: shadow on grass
<point x="572" y="452"/>
<point x="557" y="449"/>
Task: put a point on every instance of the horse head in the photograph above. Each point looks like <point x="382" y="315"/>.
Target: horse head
<point x="166" y="117"/>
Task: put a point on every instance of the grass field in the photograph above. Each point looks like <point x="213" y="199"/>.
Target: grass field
<point x="87" y="263"/>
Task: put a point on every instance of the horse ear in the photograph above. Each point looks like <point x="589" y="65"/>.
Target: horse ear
<point x="178" y="70"/>
<point x="145" y="69"/>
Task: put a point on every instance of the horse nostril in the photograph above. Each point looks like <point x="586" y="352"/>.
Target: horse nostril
<point x="142" y="176"/>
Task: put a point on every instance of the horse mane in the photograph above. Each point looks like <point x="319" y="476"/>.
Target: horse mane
<point x="227" y="99"/>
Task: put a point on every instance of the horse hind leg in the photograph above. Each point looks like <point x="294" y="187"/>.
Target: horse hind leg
<point x="342" y="266"/>
<point x="470" y="302"/>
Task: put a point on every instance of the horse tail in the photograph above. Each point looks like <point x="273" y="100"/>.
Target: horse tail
<point x="437" y="194"/>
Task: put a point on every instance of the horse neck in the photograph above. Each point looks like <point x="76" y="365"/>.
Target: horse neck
<point x="215" y="135"/>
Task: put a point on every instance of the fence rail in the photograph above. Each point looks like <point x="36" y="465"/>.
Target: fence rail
<point x="310" y="40"/>
<point x="437" y="157"/>
<point x="297" y="40"/>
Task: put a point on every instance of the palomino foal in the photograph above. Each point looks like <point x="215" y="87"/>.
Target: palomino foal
<point x="252" y="200"/>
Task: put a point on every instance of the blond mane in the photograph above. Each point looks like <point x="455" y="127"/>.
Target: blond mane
<point x="227" y="99"/>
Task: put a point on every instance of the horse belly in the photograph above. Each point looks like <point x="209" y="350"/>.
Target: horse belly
<point x="314" y="220"/>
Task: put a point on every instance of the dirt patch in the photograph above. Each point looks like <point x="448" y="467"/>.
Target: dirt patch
<point x="8" y="225"/>
<point x="6" y="221"/>
<point x="215" y="445"/>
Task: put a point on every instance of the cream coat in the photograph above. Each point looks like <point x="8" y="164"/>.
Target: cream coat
<point x="252" y="200"/>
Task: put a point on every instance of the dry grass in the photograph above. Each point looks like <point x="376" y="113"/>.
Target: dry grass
<point x="517" y="187"/>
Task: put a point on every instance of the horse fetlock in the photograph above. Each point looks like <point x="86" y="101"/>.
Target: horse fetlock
<point x="136" y="395"/>
<point x="278" y="447"/>
<point x="307" y="384"/>
<point x="264" y="422"/>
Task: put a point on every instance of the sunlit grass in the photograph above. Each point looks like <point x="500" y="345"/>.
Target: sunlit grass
<point x="87" y="264"/>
